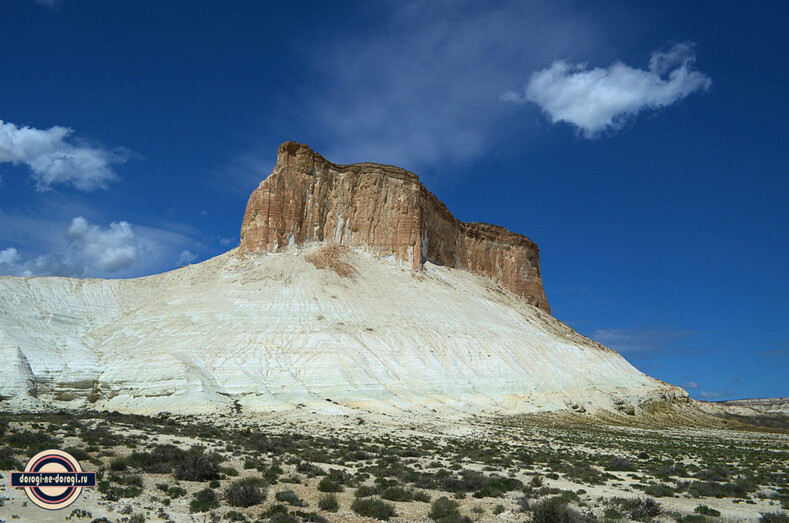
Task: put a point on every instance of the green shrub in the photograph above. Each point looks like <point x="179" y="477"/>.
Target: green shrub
<point x="118" y="464"/>
<point x="197" y="468"/>
<point x="32" y="441"/>
<point x="275" y="511"/>
<point x="309" y="469"/>
<point x="774" y="517"/>
<point x="659" y="491"/>
<point x="619" y="463"/>
<point x="310" y="516"/>
<point x="113" y="493"/>
<point x="245" y="492"/>
<point x="556" y="510"/>
<point x="329" y="503"/>
<point x="234" y="515"/>
<point x="704" y="510"/>
<point x="397" y="494"/>
<point x="373" y="508"/>
<point x="714" y="473"/>
<point x="713" y="489"/>
<point x="445" y="510"/>
<point x="8" y="461"/>
<point x="639" y="509"/>
<point x="192" y="465"/>
<point x="176" y="492"/>
<point x="288" y="496"/>
<point x="421" y="495"/>
<point x="366" y="491"/>
<point x="204" y="501"/>
<point x="294" y="479"/>
<point x="329" y="485"/>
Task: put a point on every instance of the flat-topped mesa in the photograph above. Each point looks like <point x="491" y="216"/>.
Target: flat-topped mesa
<point x="386" y="210"/>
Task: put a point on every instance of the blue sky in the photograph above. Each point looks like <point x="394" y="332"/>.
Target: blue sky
<point x="642" y="146"/>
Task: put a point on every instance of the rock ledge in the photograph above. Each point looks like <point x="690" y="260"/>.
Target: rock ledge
<point x="386" y="210"/>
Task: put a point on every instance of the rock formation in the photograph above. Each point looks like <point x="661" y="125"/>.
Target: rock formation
<point x="339" y="322"/>
<point x="385" y="210"/>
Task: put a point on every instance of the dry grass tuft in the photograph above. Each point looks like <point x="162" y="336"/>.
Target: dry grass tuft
<point x="331" y="257"/>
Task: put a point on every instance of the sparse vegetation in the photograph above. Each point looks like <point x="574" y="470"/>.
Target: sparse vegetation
<point x="288" y="496"/>
<point x="245" y="492"/>
<point x="204" y="501"/>
<point x="384" y="470"/>
<point x="373" y="508"/>
<point x="556" y="510"/>
<point x="445" y="510"/>
<point x="704" y="510"/>
<point x="329" y="485"/>
<point x="329" y="503"/>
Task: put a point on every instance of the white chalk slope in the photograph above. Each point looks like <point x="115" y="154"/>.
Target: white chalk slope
<point x="272" y="331"/>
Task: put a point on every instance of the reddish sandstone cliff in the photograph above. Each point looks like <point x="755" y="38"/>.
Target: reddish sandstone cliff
<point x="386" y="210"/>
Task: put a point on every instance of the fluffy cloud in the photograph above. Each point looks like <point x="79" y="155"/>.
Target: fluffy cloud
<point x="91" y="251"/>
<point x="9" y="256"/>
<point x="596" y="100"/>
<point x="109" y="249"/>
<point x="186" y="257"/>
<point x="52" y="159"/>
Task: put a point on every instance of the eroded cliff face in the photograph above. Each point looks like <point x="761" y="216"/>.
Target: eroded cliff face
<point x="383" y="209"/>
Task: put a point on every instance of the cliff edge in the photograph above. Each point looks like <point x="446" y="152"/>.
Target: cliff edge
<point x="385" y="210"/>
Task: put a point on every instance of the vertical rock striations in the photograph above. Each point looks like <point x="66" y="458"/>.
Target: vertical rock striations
<point x="386" y="210"/>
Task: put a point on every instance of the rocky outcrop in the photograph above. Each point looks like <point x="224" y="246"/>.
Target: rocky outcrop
<point x="385" y="210"/>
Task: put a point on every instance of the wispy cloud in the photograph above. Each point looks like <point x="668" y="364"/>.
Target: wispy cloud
<point x="53" y="159"/>
<point x="775" y="353"/>
<point x="602" y="99"/>
<point x="641" y="340"/>
<point x="186" y="257"/>
<point x="782" y="351"/>
<point x="714" y="394"/>
<point x="421" y="87"/>
<point x="690" y="385"/>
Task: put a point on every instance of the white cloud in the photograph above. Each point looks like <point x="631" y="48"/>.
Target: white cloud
<point x="45" y="246"/>
<point x="52" y="159"/>
<point x="91" y="250"/>
<point x="420" y="88"/>
<point x="691" y="385"/>
<point x="109" y="249"/>
<point x="9" y="256"/>
<point x="713" y="394"/>
<point x="596" y="100"/>
<point x="186" y="257"/>
<point x="225" y="241"/>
